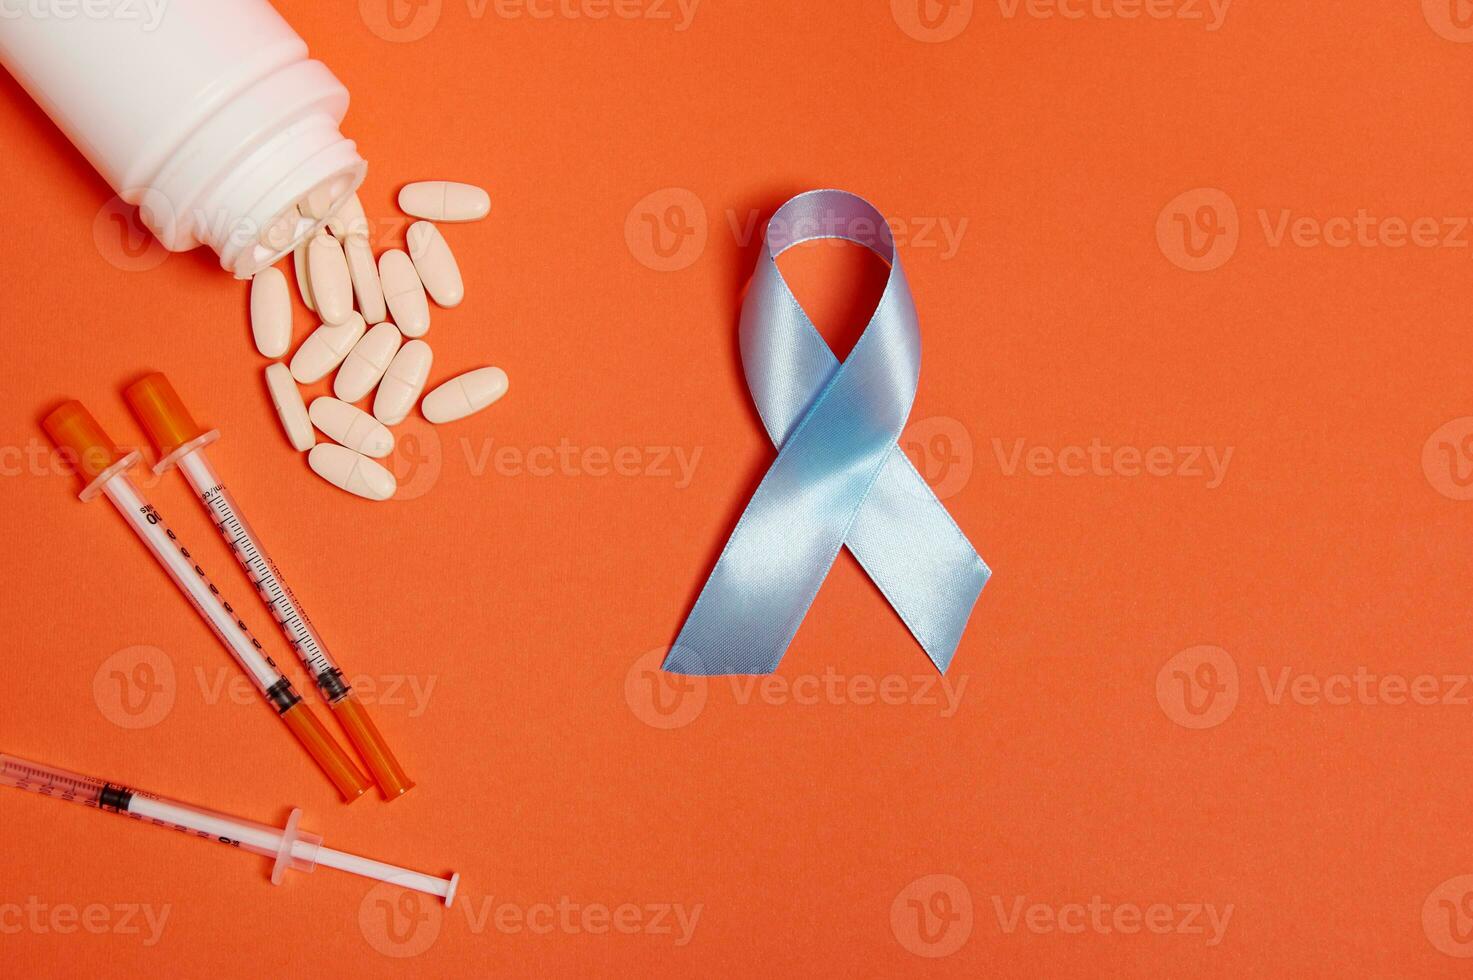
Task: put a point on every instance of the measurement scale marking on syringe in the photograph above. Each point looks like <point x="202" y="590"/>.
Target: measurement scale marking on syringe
<point x="291" y="847"/>
<point x="73" y="428"/>
<point x="44" y="782"/>
<point x="267" y="580"/>
<point x="254" y="659"/>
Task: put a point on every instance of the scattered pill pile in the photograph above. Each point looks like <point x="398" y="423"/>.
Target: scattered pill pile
<point x="374" y="314"/>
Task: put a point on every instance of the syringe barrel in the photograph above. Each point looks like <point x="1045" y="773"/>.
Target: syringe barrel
<point x="232" y="631"/>
<point x="73" y="428"/>
<point x="292" y="619"/>
<point x="300" y="848"/>
<point x="263" y="574"/>
<point x="248" y="835"/>
<point x="50" y="781"/>
<point x="190" y="578"/>
<point x="290" y="846"/>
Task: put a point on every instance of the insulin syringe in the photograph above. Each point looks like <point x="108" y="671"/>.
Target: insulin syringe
<point x="181" y="441"/>
<point x="105" y="469"/>
<point x="290" y="846"/>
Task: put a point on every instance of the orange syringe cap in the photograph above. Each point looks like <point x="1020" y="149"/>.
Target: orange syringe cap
<point x="326" y="752"/>
<point x="77" y="434"/>
<point x="390" y="776"/>
<point x="162" y="414"/>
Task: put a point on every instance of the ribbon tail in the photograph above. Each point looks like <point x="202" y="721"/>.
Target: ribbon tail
<point x="918" y="557"/>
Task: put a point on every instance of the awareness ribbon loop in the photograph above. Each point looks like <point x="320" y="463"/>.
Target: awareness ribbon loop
<point x="840" y="477"/>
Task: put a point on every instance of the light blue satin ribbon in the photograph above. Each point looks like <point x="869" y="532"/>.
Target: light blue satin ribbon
<point x="840" y="478"/>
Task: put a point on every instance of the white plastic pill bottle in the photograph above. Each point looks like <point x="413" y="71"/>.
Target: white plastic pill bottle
<point x="206" y="114"/>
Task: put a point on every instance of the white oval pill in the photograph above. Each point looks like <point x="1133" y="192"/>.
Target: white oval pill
<point x="317" y="202"/>
<point x="435" y="264"/>
<point x="367" y="362"/>
<point x="444" y="200"/>
<point x="326" y="347"/>
<point x="463" y="395"/>
<point x="332" y="287"/>
<point x="289" y="406"/>
<point x="304" y="281"/>
<point x="351" y="471"/>
<point x="348" y="219"/>
<point x="402" y="383"/>
<point x="404" y="293"/>
<point x="363" y="270"/>
<point x="281" y="232"/>
<point x="271" y="312"/>
<point x="350" y="426"/>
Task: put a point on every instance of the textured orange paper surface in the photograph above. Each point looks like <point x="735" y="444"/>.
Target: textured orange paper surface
<point x="1194" y="289"/>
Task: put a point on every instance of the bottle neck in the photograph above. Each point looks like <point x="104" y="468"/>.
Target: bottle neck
<point x="254" y="214"/>
<point x="234" y="183"/>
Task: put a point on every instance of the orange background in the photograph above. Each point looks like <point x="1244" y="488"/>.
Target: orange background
<point x="529" y="600"/>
